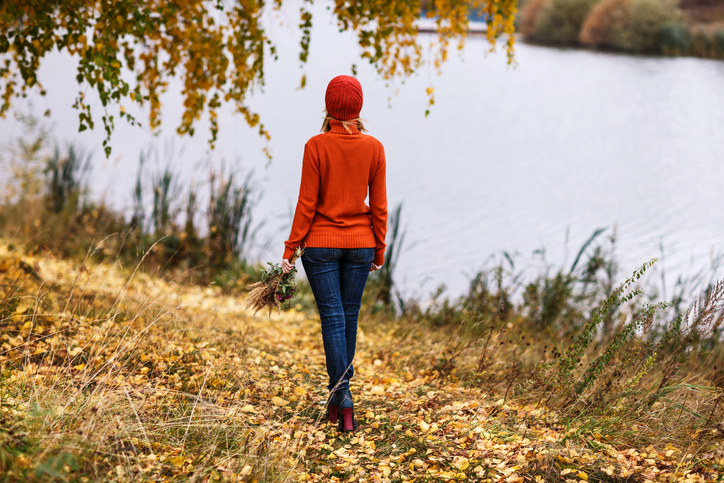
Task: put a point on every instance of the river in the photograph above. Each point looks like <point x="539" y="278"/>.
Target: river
<point x="510" y="158"/>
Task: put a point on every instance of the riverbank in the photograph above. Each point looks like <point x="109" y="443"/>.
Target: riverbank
<point x="113" y="375"/>
<point x="673" y="28"/>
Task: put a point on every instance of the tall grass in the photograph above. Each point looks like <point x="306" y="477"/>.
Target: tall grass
<point x="198" y="243"/>
<point x="66" y="179"/>
<point x="382" y="282"/>
<point x="607" y="356"/>
<point x="165" y="193"/>
<point x="229" y="218"/>
<point x="98" y="383"/>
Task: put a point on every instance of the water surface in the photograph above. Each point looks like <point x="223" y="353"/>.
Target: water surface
<point x="509" y="158"/>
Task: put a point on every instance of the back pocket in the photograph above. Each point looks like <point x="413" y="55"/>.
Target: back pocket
<point x="321" y="254"/>
<point x="365" y="255"/>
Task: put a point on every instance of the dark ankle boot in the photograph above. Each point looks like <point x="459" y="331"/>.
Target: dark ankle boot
<point x="346" y="407"/>
<point x="333" y="406"/>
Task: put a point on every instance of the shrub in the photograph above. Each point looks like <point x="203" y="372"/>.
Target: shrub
<point x="630" y="25"/>
<point x="676" y="39"/>
<point x="647" y="17"/>
<point x="606" y="16"/>
<point x="708" y="42"/>
<point x="530" y="15"/>
<point x="560" y="21"/>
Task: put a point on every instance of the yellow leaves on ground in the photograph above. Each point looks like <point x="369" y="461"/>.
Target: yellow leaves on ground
<point x="461" y="463"/>
<point x="181" y="381"/>
<point x="377" y="390"/>
<point x="277" y="401"/>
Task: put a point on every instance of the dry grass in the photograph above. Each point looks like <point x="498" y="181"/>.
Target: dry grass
<point x="108" y="377"/>
<point x="113" y="375"/>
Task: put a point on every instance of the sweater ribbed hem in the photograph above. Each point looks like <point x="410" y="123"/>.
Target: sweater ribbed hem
<point x="324" y="240"/>
<point x="340" y="241"/>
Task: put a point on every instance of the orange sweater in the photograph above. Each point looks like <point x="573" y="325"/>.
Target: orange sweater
<point x="338" y="170"/>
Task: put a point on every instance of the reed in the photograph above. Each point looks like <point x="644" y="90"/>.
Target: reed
<point x="165" y="209"/>
<point x="382" y="282"/>
<point x="229" y="218"/>
<point x="65" y="176"/>
<point x="44" y="209"/>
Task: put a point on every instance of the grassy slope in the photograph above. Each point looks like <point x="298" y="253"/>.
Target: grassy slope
<point x="109" y="375"/>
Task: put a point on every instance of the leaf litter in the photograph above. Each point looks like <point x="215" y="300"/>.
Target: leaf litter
<point x="107" y="375"/>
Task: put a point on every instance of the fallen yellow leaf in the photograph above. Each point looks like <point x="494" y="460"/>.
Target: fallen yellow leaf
<point x="461" y="463"/>
<point x="277" y="401"/>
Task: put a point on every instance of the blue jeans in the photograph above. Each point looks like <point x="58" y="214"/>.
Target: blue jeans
<point x="337" y="277"/>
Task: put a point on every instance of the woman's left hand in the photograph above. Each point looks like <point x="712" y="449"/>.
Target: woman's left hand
<point x="287" y="266"/>
<point x="375" y="267"/>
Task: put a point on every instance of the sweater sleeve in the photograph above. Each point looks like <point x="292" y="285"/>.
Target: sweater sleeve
<point x="307" y="203"/>
<point x="378" y="208"/>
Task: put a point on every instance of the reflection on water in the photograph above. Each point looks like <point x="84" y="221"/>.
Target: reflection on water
<point x="509" y="159"/>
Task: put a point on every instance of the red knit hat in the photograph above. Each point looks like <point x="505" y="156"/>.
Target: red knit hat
<point x="343" y="98"/>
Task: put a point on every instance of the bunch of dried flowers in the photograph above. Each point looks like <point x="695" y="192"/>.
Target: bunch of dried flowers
<point x="275" y="287"/>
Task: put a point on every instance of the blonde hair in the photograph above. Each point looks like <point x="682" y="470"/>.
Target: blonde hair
<point x="356" y="122"/>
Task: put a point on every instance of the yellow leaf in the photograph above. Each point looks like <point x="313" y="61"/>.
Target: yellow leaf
<point x="277" y="401"/>
<point x="300" y="391"/>
<point x="248" y="409"/>
<point x="424" y="426"/>
<point x="177" y="461"/>
<point x="461" y="463"/>
<point x="582" y="475"/>
<point x="377" y="390"/>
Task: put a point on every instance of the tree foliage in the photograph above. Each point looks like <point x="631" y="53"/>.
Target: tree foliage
<point x="129" y="50"/>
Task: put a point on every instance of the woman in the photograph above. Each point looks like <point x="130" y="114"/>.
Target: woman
<point x="344" y="238"/>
